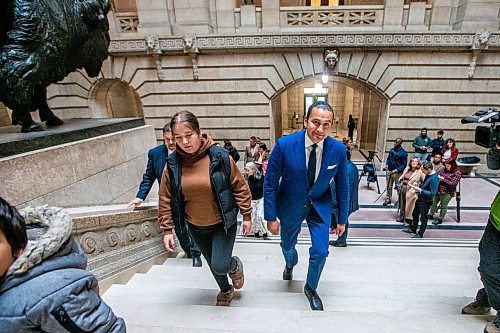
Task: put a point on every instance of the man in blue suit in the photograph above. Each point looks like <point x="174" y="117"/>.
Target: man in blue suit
<point x="297" y="188"/>
<point x="157" y="158"/>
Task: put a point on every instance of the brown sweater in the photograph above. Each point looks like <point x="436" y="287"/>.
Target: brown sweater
<point x="200" y="205"/>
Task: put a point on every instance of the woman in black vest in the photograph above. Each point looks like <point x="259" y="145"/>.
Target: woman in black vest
<point x="202" y="189"/>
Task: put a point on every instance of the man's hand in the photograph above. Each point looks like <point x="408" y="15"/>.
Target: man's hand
<point x="273" y="227"/>
<point x="134" y="203"/>
<point x="340" y="229"/>
<point x="247" y="225"/>
<point x="168" y="241"/>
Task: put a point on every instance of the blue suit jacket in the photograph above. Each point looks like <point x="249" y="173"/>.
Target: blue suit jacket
<point x="157" y="158"/>
<point x="286" y="188"/>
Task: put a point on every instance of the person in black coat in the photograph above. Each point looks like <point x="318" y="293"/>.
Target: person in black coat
<point x="351" y="125"/>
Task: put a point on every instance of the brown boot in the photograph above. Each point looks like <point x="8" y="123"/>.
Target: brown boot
<point x="237" y="276"/>
<point x="224" y="299"/>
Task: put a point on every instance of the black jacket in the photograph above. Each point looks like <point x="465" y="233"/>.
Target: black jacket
<point x="220" y="175"/>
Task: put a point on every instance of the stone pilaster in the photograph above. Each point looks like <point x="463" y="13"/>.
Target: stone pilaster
<point x="441" y="15"/>
<point x="270" y="15"/>
<point x="225" y="16"/>
<point x="153" y="18"/>
<point x="192" y="16"/>
<point x="393" y="15"/>
<point x="416" y="16"/>
<point x="475" y="15"/>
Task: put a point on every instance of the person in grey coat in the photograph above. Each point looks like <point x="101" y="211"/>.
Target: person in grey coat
<point x="44" y="286"/>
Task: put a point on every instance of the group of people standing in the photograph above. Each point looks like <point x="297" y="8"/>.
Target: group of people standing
<point x="202" y="190"/>
<point x="423" y="185"/>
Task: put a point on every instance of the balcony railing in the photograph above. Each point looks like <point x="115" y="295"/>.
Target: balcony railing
<point x="127" y="22"/>
<point x="342" y="16"/>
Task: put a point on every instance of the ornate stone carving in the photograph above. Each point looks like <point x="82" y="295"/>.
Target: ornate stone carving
<point x="331" y="58"/>
<point x="375" y="40"/>
<point x="481" y="40"/>
<point x="153" y="48"/>
<point x="114" y="238"/>
<point x="190" y="46"/>
<point x="480" y="43"/>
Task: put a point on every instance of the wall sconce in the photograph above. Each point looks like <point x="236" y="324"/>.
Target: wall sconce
<point x="325" y="77"/>
<point x="318" y="85"/>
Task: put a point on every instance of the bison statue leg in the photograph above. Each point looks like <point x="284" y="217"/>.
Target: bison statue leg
<point x="46" y="114"/>
<point x="23" y="118"/>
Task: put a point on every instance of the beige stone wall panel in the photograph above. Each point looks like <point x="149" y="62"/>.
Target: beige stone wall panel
<point x="431" y="98"/>
<point x="78" y="173"/>
<point x="367" y="65"/>
<point x="381" y="65"/>
<point x="294" y="65"/>
<point x="355" y="63"/>
<point x="209" y="110"/>
<point x="306" y="63"/>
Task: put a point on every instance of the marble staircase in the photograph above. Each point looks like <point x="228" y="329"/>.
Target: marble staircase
<point x="374" y="285"/>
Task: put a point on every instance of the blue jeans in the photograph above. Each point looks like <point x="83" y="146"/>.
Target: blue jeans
<point x="489" y="267"/>
<point x="422" y="156"/>
<point x="319" y="231"/>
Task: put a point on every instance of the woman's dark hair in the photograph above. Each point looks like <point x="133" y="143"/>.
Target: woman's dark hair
<point x="319" y="105"/>
<point x="263" y="146"/>
<point x="187" y="118"/>
<point x="453" y="164"/>
<point x="227" y="143"/>
<point x="452" y="141"/>
<point x="12" y="225"/>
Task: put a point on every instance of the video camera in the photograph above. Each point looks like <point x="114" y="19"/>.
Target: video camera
<point x="485" y="136"/>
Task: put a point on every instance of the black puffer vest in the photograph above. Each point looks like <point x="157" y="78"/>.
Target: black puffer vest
<point x="220" y="175"/>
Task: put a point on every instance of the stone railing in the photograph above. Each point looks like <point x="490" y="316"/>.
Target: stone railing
<point x="116" y="240"/>
<point x="127" y="22"/>
<point x="342" y="16"/>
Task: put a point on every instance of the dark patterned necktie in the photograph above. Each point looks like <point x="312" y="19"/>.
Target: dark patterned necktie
<point x="311" y="166"/>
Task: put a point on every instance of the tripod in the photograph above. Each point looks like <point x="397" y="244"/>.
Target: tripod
<point x="369" y="168"/>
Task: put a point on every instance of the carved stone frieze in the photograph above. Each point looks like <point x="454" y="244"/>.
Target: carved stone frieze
<point x="340" y="40"/>
<point x="96" y="242"/>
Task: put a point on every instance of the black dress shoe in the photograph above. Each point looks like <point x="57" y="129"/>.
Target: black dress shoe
<point x="337" y="244"/>
<point x="288" y="274"/>
<point x="197" y="262"/>
<point x="409" y="231"/>
<point x="313" y="297"/>
<point x="417" y="236"/>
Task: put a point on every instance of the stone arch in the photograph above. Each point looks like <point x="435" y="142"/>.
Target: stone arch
<point x="115" y="99"/>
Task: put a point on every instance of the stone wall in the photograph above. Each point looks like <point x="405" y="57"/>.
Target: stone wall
<point x="232" y="95"/>
<point x="97" y="171"/>
<point x="4" y="116"/>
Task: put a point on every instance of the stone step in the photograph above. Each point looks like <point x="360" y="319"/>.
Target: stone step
<point x="145" y="316"/>
<point x="336" y="299"/>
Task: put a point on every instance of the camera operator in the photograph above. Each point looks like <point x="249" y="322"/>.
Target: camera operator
<point x="395" y="164"/>
<point x="489" y="259"/>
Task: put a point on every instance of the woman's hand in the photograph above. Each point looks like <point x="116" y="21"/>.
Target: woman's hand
<point x="247" y="225"/>
<point x="168" y="241"/>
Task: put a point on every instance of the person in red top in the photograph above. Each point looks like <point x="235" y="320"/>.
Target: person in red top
<point x="449" y="178"/>
<point x="450" y="152"/>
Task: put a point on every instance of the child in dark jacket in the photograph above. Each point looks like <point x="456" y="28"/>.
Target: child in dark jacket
<point x="44" y="286"/>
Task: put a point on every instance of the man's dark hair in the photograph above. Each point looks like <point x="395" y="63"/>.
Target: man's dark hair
<point x="319" y="105"/>
<point x="227" y="143"/>
<point x="12" y="225"/>
<point x="253" y="138"/>
<point x="440" y="132"/>
<point x="423" y="129"/>
<point x="436" y="154"/>
<point x="263" y="146"/>
<point x="427" y="165"/>
<point x="167" y="128"/>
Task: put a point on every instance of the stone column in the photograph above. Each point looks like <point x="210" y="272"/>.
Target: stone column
<point x="416" y="16"/>
<point x="393" y="15"/>
<point x="478" y="14"/>
<point x="192" y="16"/>
<point x="441" y="15"/>
<point x="225" y="16"/>
<point x="153" y="18"/>
<point x="271" y="15"/>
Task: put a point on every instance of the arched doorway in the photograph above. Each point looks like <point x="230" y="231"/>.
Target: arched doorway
<point x="111" y="98"/>
<point x="347" y="96"/>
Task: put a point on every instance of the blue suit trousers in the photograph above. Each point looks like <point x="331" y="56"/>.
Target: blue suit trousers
<point x="319" y="231"/>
